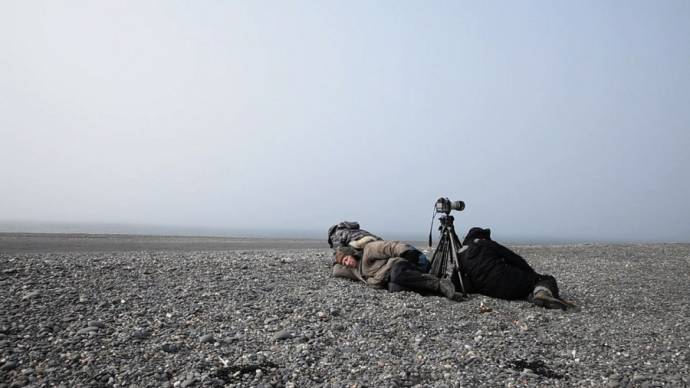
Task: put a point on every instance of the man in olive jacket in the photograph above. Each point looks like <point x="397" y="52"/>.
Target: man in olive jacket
<point x="391" y="265"/>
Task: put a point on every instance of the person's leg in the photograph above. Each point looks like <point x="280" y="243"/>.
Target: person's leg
<point x="547" y="282"/>
<point x="511" y="284"/>
<point x="405" y="276"/>
<point x="514" y="283"/>
<point x="545" y="294"/>
<point x="394" y="287"/>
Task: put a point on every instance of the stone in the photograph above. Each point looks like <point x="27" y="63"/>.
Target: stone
<point x="97" y="324"/>
<point x="141" y="334"/>
<point x="283" y="335"/>
<point x="187" y="382"/>
<point x="170" y="348"/>
<point x="31" y="295"/>
<point x="87" y="330"/>
<point x="9" y="365"/>
<point x="322" y="315"/>
<point x="270" y="320"/>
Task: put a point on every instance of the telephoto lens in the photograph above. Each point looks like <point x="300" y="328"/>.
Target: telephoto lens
<point x="444" y="205"/>
<point x="457" y="205"/>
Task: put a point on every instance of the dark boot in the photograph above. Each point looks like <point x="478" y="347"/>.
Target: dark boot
<point x="447" y="289"/>
<point x="443" y="286"/>
<point x="544" y="298"/>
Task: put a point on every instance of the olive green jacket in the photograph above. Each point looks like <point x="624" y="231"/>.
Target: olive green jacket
<point x="377" y="259"/>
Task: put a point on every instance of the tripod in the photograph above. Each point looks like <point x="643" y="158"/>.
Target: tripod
<point x="444" y="261"/>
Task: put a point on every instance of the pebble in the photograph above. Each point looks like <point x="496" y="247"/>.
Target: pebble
<point x="170" y="348"/>
<point x="87" y="330"/>
<point x="322" y="315"/>
<point x="274" y="319"/>
<point x="270" y="320"/>
<point x="187" y="382"/>
<point x="9" y="365"/>
<point x="141" y="334"/>
<point x="283" y="335"/>
<point x="31" y="295"/>
<point x="97" y="324"/>
<point x="206" y="338"/>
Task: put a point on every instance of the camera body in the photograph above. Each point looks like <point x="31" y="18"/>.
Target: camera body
<point x="444" y="205"/>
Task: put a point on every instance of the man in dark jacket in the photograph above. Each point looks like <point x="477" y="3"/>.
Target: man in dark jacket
<point x="496" y="271"/>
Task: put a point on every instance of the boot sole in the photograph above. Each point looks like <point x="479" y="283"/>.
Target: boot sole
<point x="551" y="303"/>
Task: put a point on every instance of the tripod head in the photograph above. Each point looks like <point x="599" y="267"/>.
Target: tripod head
<point x="446" y="221"/>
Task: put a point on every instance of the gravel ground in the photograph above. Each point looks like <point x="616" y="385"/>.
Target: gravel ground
<point x="274" y="317"/>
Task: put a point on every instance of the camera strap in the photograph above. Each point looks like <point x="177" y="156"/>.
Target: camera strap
<point x="431" y="227"/>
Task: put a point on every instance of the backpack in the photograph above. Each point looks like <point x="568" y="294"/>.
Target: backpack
<point x="344" y="233"/>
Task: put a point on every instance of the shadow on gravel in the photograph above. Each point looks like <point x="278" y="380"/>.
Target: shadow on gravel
<point x="538" y="367"/>
<point x="228" y="374"/>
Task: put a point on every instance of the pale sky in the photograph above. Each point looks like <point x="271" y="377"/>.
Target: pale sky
<point x="550" y="119"/>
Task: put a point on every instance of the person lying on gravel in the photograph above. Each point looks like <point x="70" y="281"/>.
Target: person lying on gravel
<point x="496" y="271"/>
<point x="392" y="265"/>
<point x="349" y="234"/>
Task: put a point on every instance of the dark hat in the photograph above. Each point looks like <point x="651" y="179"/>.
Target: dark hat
<point x="477" y="232"/>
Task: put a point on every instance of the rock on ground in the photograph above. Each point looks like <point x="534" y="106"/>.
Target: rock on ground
<point x="275" y="318"/>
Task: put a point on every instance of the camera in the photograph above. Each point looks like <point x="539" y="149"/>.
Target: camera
<point x="444" y="205"/>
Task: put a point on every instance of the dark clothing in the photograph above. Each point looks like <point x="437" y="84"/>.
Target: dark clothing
<point x="345" y="232"/>
<point x="406" y="276"/>
<point x="496" y="271"/>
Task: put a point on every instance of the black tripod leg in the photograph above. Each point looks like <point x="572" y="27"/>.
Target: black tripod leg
<point x="439" y="260"/>
<point x="456" y="262"/>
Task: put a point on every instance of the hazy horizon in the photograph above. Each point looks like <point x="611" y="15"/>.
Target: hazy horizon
<point x="563" y="121"/>
<point x="268" y="233"/>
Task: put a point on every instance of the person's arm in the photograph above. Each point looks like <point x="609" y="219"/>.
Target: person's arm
<point x="383" y="250"/>
<point x="341" y="271"/>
